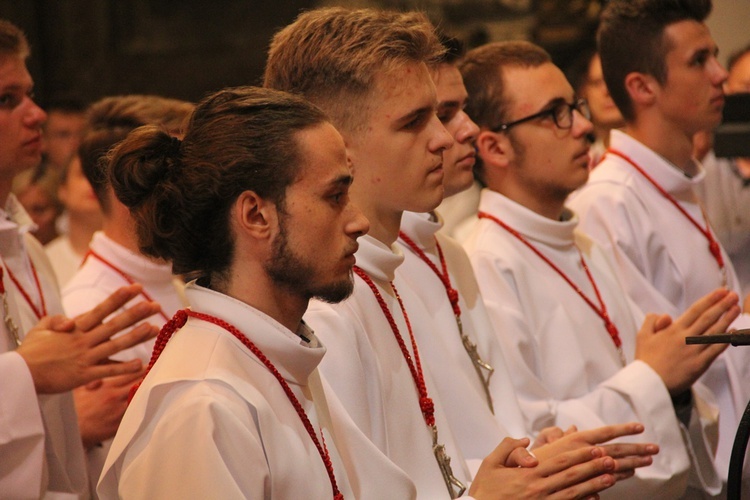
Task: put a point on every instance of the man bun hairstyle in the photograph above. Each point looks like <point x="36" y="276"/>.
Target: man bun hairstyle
<point x="180" y="192"/>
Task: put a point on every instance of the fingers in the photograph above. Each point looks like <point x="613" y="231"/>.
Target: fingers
<point x="610" y="432"/>
<point x="663" y="321"/>
<point x="104" y="350"/>
<point x="521" y="457"/>
<point x="571" y="430"/>
<point x="583" y="476"/>
<point x="128" y="379"/>
<point x="122" y="296"/>
<point x="629" y="464"/>
<point x="112" y="369"/>
<point x="121" y="321"/>
<point x="621" y="450"/>
<point x="501" y="454"/>
<point x="563" y="461"/>
<point x="713" y="304"/>
<point x="57" y="323"/>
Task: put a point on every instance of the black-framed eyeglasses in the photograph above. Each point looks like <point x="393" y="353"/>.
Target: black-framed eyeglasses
<point x="561" y="113"/>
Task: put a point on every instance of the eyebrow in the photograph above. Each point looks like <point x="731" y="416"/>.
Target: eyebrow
<point x="342" y="180"/>
<point x="419" y="112"/>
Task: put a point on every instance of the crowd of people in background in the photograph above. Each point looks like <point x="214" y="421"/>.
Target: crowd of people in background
<point x="397" y="269"/>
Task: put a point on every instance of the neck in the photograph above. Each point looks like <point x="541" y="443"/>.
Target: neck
<point x="257" y="290"/>
<point x="384" y="226"/>
<point x="550" y="205"/>
<point x="122" y="233"/>
<point x="5" y="191"/>
<point x="81" y="230"/>
<point x="674" y="145"/>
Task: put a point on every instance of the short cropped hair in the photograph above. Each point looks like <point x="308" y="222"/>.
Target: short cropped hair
<point x="332" y="56"/>
<point x="13" y="42"/>
<point x="631" y="39"/>
<point x="482" y="69"/>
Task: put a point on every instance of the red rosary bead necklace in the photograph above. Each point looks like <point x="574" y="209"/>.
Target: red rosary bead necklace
<point x="600" y="310"/>
<point x="179" y="320"/>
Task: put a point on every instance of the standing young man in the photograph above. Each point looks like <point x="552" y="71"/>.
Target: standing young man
<point x="43" y="357"/>
<point x="660" y="65"/>
<point x="369" y="71"/>
<point x="568" y="329"/>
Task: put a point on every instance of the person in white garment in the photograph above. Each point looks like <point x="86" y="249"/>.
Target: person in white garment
<point x="379" y="62"/>
<point x="43" y="355"/>
<point x="570" y="333"/>
<point x="585" y="75"/>
<point x="255" y="200"/>
<point x="458" y="345"/>
<point x="113" y="259"/>
<point x="725" y="191"/>
<point x="84" y="218"/>
<point x="661" y="68"/>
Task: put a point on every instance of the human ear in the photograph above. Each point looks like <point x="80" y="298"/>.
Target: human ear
<point x="494" y="148"/>
<point x="255" y="215"/>
<point x="642" y="88"/>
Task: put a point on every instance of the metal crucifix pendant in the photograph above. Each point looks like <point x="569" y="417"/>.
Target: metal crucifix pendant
<point x="455" y="487"/>
<point x="9" y="323"/>
<point x="480" y="366"/>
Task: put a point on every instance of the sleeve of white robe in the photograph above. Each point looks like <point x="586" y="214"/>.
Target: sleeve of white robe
<point x="635" y="393"/>
<point x="21" y="431"/>
<point x="204" y="445"/>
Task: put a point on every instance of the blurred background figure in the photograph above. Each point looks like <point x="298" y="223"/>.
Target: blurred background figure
<point x="61" y="135"/>
<point x="84" y="218"/>
<point x="585" y="76"/>
<point x="36" y="189"/>
<point x="726" y="189"/>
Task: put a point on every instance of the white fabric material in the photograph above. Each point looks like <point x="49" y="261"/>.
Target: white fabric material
<point x="367" y="371"/>
<point x="95" y="281"/>
<point x="40" y="450"/>
<point x="64" y="259"/>
<point x="662" y="259"/>
<point x="566" y="367"/>
<point x="459" y="208"/>
<point x="726" y="198"/>
<point x="477" y="430"/>
<point x="220" y="420"/>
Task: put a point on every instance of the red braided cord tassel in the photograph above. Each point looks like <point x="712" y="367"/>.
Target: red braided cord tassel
<point x="166" y="332"/>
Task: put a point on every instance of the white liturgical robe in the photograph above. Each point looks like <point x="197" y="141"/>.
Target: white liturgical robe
<point x="95" y="281"/>
<point x="367" y="371"/>
<point x="477" y="430"/>
<point x="663" y="260"/>
<point x="211" y="421"/>
<point x="566" y="367"/>
<point x="41" y="455"/>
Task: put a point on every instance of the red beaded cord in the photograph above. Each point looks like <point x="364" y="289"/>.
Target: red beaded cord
<point x="713" y="245"/>
<point x="600" y="310"/>
<point x="179" y="320"/>
<point x="40" y="312"/>
<point x="415" y="366"/>
<point x="124" y="275"/>
<point x="444" y="276"/>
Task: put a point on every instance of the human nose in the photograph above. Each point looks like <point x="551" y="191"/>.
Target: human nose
<point x="34" y="116"/>
<point x="441" y="138"/>
<point x="581" y="124"/>
<point x="468" y="131"/>
<point x="357" y="225"/>
<point x="719" y="75"/>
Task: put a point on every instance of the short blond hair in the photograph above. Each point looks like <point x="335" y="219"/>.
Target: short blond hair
<point x="331" y="56"/>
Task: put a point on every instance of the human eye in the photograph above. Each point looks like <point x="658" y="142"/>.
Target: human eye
<point x="10" y="100"/>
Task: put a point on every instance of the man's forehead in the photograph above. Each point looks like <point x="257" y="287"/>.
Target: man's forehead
<point x="684" y="38"/>
<point x="531" y="88"/>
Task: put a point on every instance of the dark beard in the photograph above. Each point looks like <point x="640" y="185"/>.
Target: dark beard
<point x="289" y="271"/>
